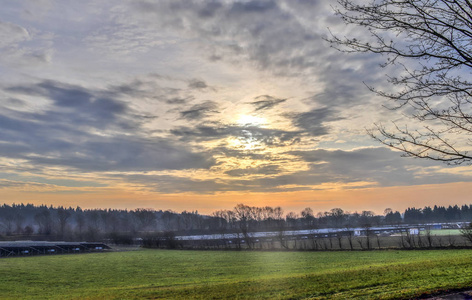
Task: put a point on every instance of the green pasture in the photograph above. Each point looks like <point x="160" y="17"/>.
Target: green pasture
<point x="445" y="232"/>
<point x="232" y="274"/>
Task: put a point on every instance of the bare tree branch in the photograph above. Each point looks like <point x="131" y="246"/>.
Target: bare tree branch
<point x="432" y="41"/>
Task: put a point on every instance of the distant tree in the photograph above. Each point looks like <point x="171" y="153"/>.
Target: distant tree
<point x="366" y="221"/>
<point x="292" y="219"/>
<point x="392" y="218"/>
<point x="221" y="220"/>
<point x="146" y="218"/>
<point x="365" y="218"/>
<point x="7" y="219"/>
<point x="277" y="216"/>
<point x="28" y="230"/>
<point x="413" y="215"/>
<point x="168" y="218"/>
<point x="430" y="42"/>
<point x="244" y="215"/>
<point x="63" y="216"/>
<point x="439" y="213"/>
<point x="93" y="221"/>
<point x="44" y="221"/>
<point x="453" y="213"/>
<point x="337" y="214"/>
<point x="188" y="220"/>
<point x="308" y="217"/>
<point x="466" y="213"/>
<point x="80" y="223"/>
<point x="428" y="214"/>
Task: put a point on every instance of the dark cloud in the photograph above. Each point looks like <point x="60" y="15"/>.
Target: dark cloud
<point x="83" y="130"/>
<point x="260" y="170"/>
<point x="242" y="154"/>
<point x="177" y="184"/>
<point x="267" y="136"/>
<point x="197" y="84"/>
<point x="15" y="102"/>
<point x="78" y="106"/>
<point x="177" y="100"/>
<point x="367" y="167"/>
<point x="41" y="180"/>
<point x="266" y="102"/>
<point x="381" y="165"/>
<point x="209" y="9"/>
<point x="314" y="121"/>
<point x="159" y="88"/>
<point x="256" y="7"/>
<point x="4" y="183"/>
<point x="124" y="153"/>
<point x="199" y="111"/>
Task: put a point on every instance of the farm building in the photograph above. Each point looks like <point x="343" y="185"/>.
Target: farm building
<point x="22" y="248"/>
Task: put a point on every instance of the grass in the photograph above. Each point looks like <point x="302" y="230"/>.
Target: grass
<point x="445" y="232"/>
<point x="230" y="274"/>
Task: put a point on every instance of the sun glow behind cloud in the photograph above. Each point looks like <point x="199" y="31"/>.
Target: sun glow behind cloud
<point x="250" y="120"/>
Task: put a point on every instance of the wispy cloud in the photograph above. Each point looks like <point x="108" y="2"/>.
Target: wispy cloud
<point x="199" y="111"/>
<point x="153" y="96"/>
<point x="266" y="102"/>
<point x="83" y="130"/>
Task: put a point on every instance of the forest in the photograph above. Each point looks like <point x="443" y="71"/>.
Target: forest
<point x="27" y="221"/>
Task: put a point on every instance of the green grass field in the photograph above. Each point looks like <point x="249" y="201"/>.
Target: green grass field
<point x="231" y="274"/>
<point x="456" y="232"/>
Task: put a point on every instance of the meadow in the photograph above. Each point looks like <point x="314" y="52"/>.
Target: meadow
<point x="236" y="274"/>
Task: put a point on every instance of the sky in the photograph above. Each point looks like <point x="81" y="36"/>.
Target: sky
<point x="199" y="105"/>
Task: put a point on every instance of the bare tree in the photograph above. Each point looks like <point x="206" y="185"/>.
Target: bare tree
<point x="308" y="217"/>
<point x="430" y="42"/>
<point x="466" y="232"/>
<point x="278" y="217"/>
<point x="429" y="237"/>
<point x="245" y="215"/>
<point x="292" y="219"/>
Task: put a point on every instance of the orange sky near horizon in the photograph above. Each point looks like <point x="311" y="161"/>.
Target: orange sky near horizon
<point x="374" y="199"/>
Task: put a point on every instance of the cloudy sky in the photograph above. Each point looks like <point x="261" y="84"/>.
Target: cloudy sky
<point x="198" y="105"/>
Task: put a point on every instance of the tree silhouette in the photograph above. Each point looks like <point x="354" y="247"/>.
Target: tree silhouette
<point x="430" y="41"/>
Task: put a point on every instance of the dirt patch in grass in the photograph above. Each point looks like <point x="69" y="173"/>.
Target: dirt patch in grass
<point x="450" y="295"/>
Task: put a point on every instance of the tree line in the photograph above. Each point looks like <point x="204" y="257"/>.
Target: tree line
<point x="48" y="222"/>
<point x="53" y="223"/>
